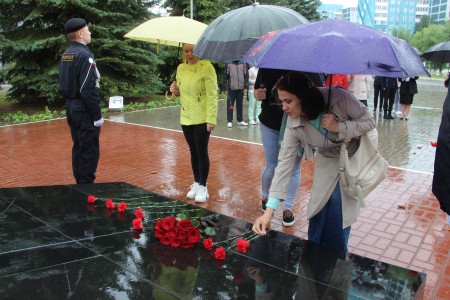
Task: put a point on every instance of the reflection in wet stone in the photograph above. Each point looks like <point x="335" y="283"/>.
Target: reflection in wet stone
<point x="54" y="246"/>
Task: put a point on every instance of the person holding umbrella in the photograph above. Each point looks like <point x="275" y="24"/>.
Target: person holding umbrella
<point x="196" y="84"/>
<point x="309" y="125"/>
<point x="441" y="180"/>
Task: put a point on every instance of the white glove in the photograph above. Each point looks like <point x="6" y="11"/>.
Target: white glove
<point x="99" y="123"/>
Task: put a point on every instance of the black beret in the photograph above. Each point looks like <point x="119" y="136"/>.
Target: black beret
<point x="74" y="24"/>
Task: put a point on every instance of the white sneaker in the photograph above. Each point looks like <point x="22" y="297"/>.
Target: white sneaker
<point x="242" y="123"/>
<point x="398" y="112"/>
<point x="202" y="194"/>
<point x="193" y="190"/>
<point x="252" y="122"/>
<point x="229" y="124"/>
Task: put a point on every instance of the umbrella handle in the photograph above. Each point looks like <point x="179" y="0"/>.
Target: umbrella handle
<point x="167" y="95"/>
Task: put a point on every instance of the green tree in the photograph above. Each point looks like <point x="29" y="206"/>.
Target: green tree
<point x="307" y="8"/>
<point x="204" y="10"/>
<point x="32" y="40"/>
<point x="425" y="21"/>
<point x="401" y="33"/>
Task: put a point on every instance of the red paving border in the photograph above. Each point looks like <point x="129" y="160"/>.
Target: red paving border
<point x="155" y="159"/>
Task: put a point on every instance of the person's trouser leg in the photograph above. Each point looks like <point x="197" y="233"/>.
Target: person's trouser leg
<point x="251" y="107"/>
<point x="391" y="99"/>
<point x="294" y="183"/>
<point x="382" y="99"/>
<point x="258" y="110"/>
<point x="325" y="228"/>
<point x="86" y="142"/>
<point x="239" y="105"/>
<point x="397" y="100"/>
<point x="269" y="139"/>
<point x="376" y="92"/>
<point x="231" y="99"/>
<point x="197" y="137"/>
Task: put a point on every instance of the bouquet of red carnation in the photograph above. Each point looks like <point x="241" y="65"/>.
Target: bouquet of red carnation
<point x="177" y="233"/>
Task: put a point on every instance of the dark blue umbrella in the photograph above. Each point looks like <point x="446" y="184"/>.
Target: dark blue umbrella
<point x="230" y="35"/>
<point x="336" y="47"/>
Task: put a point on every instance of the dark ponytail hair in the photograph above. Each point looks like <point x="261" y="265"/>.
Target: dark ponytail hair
<point x="299" y="84"/>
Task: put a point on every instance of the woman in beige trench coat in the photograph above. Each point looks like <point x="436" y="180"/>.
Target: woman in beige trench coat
<point x="309" y="126"/>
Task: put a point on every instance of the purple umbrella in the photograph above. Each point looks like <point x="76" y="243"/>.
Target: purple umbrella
<point x="336" y="47"/>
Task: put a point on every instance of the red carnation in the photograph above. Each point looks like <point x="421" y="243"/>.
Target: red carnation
<point x="242" y="245"/>
<point x="168" y="223"/>
<point x="110" y="204"/>
<point x="139" y="213"/>
<point x="137" y="224"/>
<point x="122" y="207"/>
<point x="91" y="199"/>
<point x="220" y="253"/>
<point x="158" y="225"/>
<point x="193" y="235"/>
<point x="208" y="244"/>
<point x="184" y="224"/>
<point x="159" y="233"/>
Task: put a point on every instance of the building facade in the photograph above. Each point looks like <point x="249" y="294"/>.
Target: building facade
<point x="390" y="15"/>
<point x="439" y="11"/>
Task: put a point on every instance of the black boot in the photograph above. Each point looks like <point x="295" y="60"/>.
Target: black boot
<point x="390" y="116"/>
<point x="385" y="115"/>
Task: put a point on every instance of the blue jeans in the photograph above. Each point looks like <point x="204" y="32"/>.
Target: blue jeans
<point x="325" y="228"/>
<point x="271" y="148"/>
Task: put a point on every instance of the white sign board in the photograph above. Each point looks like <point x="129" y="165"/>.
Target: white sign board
<point x="116" y="103"/>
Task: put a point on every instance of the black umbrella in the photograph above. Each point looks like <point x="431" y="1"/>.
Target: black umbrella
<point x="439" y="53"/>
<point x="230" y="35"/>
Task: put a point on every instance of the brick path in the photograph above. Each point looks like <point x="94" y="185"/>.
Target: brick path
<point x="157" y="159"/>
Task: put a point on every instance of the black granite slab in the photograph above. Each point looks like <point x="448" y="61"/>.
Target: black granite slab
<point x="56" y="246"/>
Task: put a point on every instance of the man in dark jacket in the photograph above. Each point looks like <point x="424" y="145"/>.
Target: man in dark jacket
<point x="79" y="84"/>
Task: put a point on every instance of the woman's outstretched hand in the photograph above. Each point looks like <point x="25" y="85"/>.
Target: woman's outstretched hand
<point x="262" y="223"/>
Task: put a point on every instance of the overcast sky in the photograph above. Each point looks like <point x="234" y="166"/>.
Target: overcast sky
<point x="346" y="3"/>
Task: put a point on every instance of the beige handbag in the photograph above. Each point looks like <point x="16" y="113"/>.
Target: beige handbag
<point x="363" y="172"/>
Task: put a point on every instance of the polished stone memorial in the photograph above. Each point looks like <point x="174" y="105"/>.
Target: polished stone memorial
<point x="55" y="245"/>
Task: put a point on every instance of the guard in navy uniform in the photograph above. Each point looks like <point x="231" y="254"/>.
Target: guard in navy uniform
<point x="79" y="84"/>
